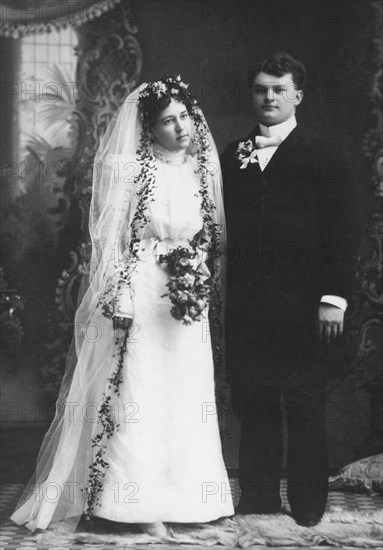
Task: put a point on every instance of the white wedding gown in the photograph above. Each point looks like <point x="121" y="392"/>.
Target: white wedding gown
<point x="165" y="460"/>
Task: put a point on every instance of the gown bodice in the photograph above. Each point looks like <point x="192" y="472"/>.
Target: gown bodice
<point x="175" y="212"/>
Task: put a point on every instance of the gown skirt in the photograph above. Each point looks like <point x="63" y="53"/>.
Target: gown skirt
<point x="165" y="460"/>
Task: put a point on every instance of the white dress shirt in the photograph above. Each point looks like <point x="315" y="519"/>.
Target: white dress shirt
<point x="283" y="130"/>
<point x="264" y="155"/>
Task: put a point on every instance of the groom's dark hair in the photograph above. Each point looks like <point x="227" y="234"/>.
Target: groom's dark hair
<point x="278" y="65"/>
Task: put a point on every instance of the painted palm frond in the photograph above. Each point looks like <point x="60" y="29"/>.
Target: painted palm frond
<point x="43" y="150"/>
<point x="58" y="103"/>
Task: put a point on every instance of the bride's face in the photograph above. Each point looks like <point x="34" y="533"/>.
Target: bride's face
<point x="173" y="127"/>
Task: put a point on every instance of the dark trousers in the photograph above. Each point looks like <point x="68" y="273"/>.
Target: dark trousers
<point x="261" y="449"/>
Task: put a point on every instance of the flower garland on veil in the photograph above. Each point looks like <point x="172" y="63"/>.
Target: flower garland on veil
<point x="145" y="182"/>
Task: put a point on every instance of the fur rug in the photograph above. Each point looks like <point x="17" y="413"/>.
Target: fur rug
<point x="338" y="527"/>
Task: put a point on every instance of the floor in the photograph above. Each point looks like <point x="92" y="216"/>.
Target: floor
<point x="13" y="537"/>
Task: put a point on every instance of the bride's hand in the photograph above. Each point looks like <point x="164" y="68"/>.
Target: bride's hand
<point x="123" y="323"/>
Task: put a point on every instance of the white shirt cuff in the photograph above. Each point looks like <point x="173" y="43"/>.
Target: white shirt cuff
<point x="336" y="301"/>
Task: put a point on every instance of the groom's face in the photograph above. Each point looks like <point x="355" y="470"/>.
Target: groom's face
<point x="275" y="98"/>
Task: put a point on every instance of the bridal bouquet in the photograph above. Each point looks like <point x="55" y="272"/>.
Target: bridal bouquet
<point x="188" y="290"/>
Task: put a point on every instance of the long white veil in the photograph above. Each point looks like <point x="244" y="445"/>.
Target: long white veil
<point x="70" y="462"/>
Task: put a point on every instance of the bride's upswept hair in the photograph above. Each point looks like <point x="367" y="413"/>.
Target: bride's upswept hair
<point x="158" y="94"/>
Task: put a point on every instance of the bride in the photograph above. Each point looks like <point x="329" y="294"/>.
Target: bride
<point x="135" y="438"/>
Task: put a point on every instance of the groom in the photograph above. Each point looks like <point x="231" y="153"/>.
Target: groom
<point x="292" y="241"/>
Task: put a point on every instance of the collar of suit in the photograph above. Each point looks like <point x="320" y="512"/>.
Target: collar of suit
<point x="282" y="130"/>
<point x="293" y="145"/>
<point x="268" y="139"/>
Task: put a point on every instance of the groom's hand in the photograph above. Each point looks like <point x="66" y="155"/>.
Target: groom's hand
<point x="329" y="322"/>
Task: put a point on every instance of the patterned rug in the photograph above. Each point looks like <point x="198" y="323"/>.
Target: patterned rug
<point x="351" y="521"/>
<point x="337" y="528"/>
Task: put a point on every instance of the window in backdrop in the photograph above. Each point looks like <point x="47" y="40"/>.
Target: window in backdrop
<point x="47" y="133"/>
<point x="48" y="90"/>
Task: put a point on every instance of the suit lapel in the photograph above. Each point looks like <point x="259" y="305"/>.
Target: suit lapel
<point x="252" y="172"/>
<point x="287" y="153"/>
<point x="250" y="179"/>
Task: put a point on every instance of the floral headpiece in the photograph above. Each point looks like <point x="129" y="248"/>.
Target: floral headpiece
<point x="159" y="91"/>
<point x="169" y="84"/>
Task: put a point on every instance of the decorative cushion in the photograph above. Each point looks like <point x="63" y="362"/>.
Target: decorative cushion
<point x="365" y="475"/>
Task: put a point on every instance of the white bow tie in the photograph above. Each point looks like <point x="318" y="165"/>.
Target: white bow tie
<point x="261" y="141"/>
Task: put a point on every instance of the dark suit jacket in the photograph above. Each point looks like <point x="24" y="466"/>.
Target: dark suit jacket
<point x="292" y="238"/>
